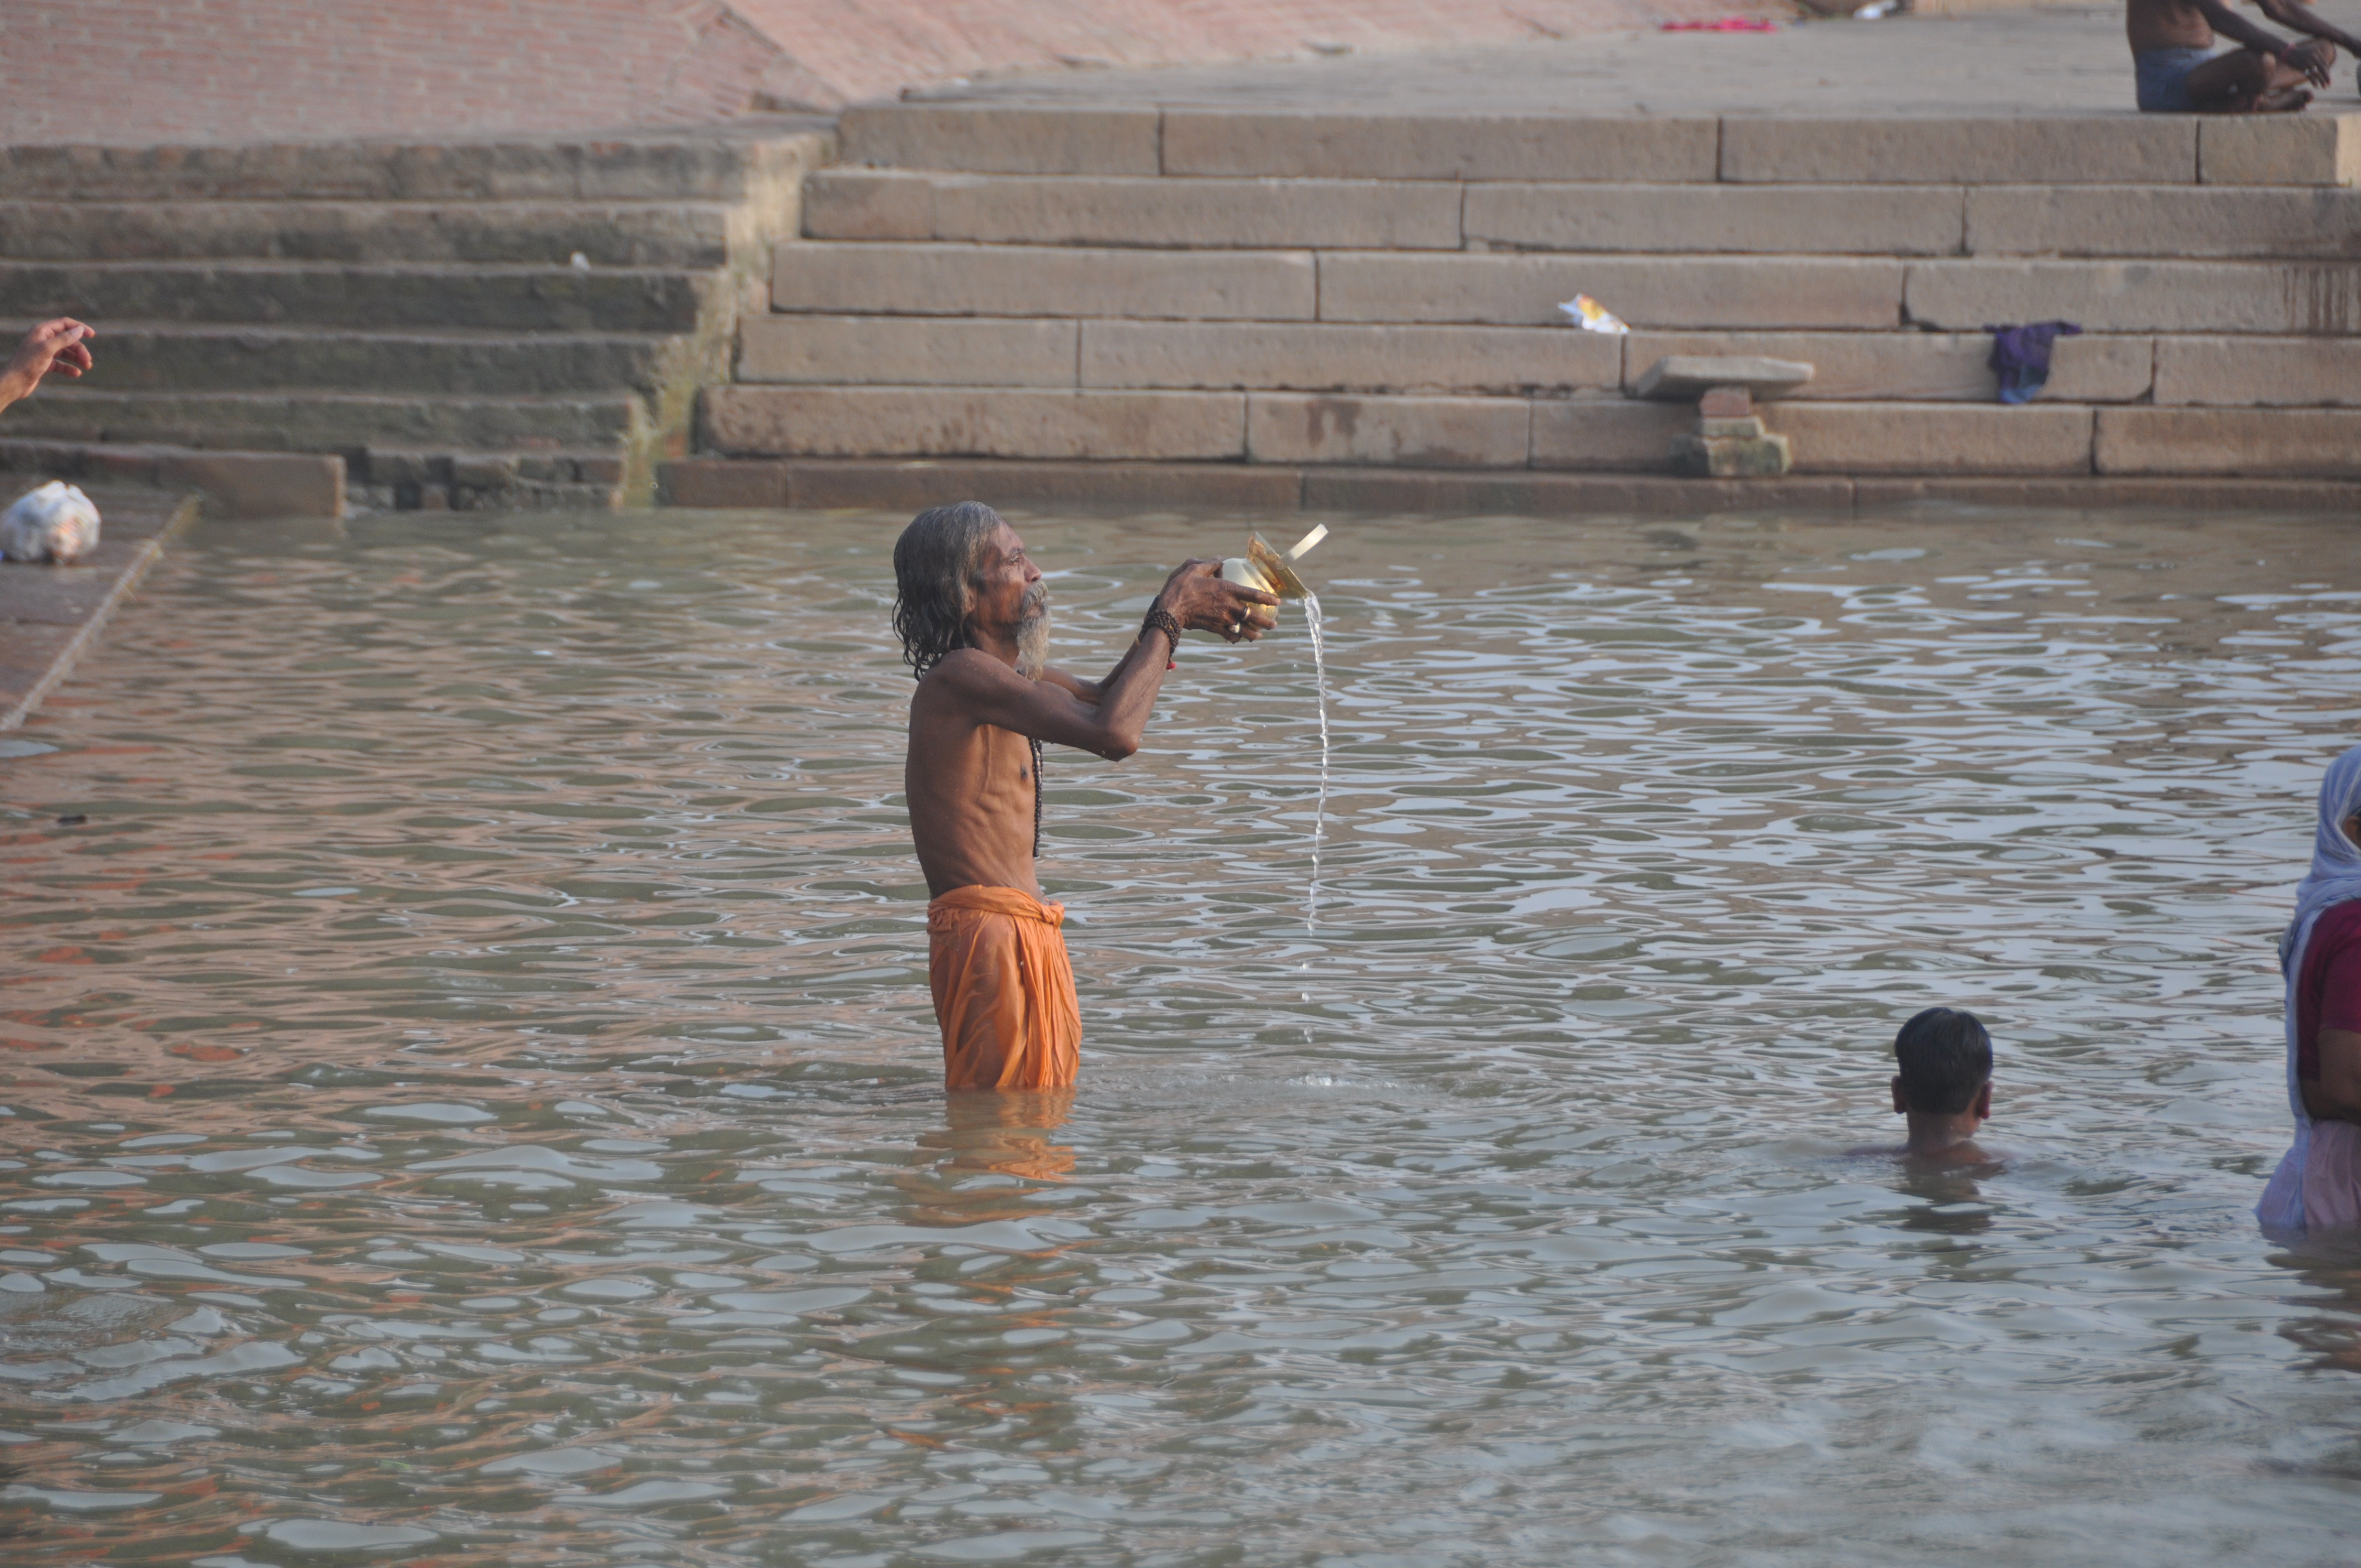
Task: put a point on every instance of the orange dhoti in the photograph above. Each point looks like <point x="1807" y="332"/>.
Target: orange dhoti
<point x="1004" y="990"/>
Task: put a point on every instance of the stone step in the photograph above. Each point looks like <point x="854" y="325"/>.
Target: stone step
<point x="612" y="234"/>
<point x="150" y="358"/>
<point x="1598" y="432"/>
<point x="2284" y="444"/>
<point x="1688" y="291"/>
<point x="2249" y="222"/>
<point x="1025" y="280"/>
<point x="397" y="479"/>
<point x="760" y="159"/>
<point x="1916" y="366"/>
<point x="514" y="299"/>
<point x="329" y="421"/>
<point x="2267" y="296"/>
<point x="2096" y="149"/>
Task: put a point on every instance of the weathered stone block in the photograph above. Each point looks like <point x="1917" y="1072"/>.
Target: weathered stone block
<point x="2146" y="149"/>
<point x="1684" y="377"/>
<point x="1315" y="144"/>
<point x="1858" y="220"/>
<point x="1231" y="487"/>
<point x="983" y="422"/>
<point x="1015" y="138"/>
<point x="1725" y="403"/>
<point x="2310" y="297"/>
<point x="254" y="485"/>
<point x="723" y="484"/>
<point x="1424" y="432"/>
<point x="1340" y="358"/>
<point x="2246" y="372"/>
<point x="1707" y="456"/>
<point x="868" y="205"/>
<point x="1917" y="367"/>
<point x="908" y="351"/>
<point x="1740" y="427"/>
<point x="1937" y="438"/>
<point x="2318" y="444"/>
<point x="1605" y="434"/>
<point x="1046" y="280"/>
<point x="2180" y="222"/>
<point x="2280" y="149"/>
<point x="1671" y="291"/>
<point x="1199" y="213"/>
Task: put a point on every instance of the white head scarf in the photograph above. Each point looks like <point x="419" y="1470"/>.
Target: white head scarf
<point x="2335" y="876"/>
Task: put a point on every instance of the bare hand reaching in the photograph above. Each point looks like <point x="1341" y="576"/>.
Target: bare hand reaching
<point x="1200" y="600"/>
<point x="59" y="345"/>
<point x="2313" y="57"/>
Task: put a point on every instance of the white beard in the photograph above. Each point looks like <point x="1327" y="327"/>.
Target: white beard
<point x="1033" y="633"/>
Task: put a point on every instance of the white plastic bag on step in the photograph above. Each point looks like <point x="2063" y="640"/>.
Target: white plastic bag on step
<point x="55" y="523"/>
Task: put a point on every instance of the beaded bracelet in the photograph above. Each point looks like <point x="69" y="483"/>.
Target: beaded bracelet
<point x="1161" y="620"/>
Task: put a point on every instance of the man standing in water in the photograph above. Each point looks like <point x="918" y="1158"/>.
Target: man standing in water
<point x="972" y="613"/>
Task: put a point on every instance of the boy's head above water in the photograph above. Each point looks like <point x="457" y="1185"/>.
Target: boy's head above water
<point x="1945" y="1084"/>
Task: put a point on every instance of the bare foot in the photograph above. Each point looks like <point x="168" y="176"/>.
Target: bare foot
<point x="2286" y="101"/>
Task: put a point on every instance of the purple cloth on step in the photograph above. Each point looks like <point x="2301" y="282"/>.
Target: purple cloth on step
<point x="2020" y="357"/>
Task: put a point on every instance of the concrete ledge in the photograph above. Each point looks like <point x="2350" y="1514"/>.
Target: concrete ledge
<point x="1042" y="280"/>
<point x="907" y="486"/>
<point x="50" y="615"/>
<point x="1917" y="367"/>
<point x="1002" y="139"/>
<point x="973" y="422"/>
<point x="912" y="351"/>
<point x="2258" y="372"/>
<point x="2265" y="297"/>
<point x="1935" y="438"/>
<point x="1421" y="432"/>
<point x="2280" y="149"/>
<point x="1317" y="144"/>
<point x="1345" y="357"/>
<point x="1744" y="219"/>
<point x="2143" y="149"/>
<point x="1680" y="291"/>
<point x="243" y="486"/>
<point x="2173" y="222"/>
<point x="2275" y="443"/>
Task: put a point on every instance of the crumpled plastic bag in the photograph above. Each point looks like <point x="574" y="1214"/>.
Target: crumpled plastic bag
<point x="55" y="523"/>
<point x="1593" y="316"/>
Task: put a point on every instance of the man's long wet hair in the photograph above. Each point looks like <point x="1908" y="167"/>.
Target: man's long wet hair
<point x="936" y="563"/>
<point x="1945" y="1056"/>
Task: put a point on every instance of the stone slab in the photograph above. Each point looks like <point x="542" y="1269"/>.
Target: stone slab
<point x="252" y="486"/>
<point x="985" y="422"/>
<point x="134" y="358"/>
<point x="1379" y="492"/>
<point x="2090" y="149"/>
<point x="1410" y="146"/>
<point x="320" y="422"/>
<point x="1379" y="215"/>
<point x="1799" y="219"/>
<point x="1876" y="496"/>
<point x="2180" y="222"/>
<point x="2248" y="372"/>
<point x="1228" y="488"/>
<point x="2312" y="149"/>
<point x="1606" y="434"/>
<point x="869" y="205"/>
<point x="908" y="351"/>
<point x="1002" y="139"/>
<point x="1344" y="357"/>
<point x="2140" y="296"/>
<point x="1420" y="433"/>
<point x="1919" y="366"/>
<point x="1046" y="281"/>
<point x="1936" y="438"/>
<point x="2313" y="444"/>
<point x="1668" y="291"/>
<point x="1685" y="377"/>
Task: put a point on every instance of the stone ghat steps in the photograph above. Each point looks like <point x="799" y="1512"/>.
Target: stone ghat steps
<point x="1605" y="431"/>
<point x="1009" y="138"/>
<point x="1152" y="356"/>
<point x="761" y="162"/>
<point x="2178" y="222"/>
<point x="486" y="323"/>
<point x="698" y="236"/>
<point x="341" y="298"/>
<point x="152" y="356"/>
<point x="1668" y="291"/>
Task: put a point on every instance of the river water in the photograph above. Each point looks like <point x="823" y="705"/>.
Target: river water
<point x="472" y="1098"/>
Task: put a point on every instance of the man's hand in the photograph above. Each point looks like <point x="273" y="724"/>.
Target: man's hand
<point x="56" y="346"/>
<point x="2313" y="57"/>
<point x="1202" y="601"/>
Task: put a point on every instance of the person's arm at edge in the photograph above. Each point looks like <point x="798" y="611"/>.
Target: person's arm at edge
<point x="2304" y="19"/>
<point x="2231" y="24"/>
<point x="53" y="345"/>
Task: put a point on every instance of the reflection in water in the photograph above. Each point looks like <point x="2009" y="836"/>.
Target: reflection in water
<point x="471" y="1096"/>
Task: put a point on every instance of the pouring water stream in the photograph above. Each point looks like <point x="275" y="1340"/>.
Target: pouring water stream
<point x="1319" y="812"/>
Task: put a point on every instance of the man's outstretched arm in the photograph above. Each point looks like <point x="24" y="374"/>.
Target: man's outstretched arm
<point x="1256" y="619"/>
<point x="2231" y="24"/>
<point x="52" y="346"/>
<point x="2304" y="19"/>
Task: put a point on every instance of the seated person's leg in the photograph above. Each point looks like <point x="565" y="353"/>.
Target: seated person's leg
<point x="2246" y="82"/>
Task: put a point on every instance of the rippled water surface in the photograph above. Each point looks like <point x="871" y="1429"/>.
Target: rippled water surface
<point x="472" y="1097"/>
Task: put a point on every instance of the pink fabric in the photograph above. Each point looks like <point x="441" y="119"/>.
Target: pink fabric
<point x="2332" y="1176"/>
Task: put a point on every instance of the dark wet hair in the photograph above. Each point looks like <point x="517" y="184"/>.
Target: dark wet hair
<point x="1946" y="1058"/>
<point x="936" y="561"/>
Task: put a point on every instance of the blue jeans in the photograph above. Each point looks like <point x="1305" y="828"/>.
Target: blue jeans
<point x="2163" y="78"/>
